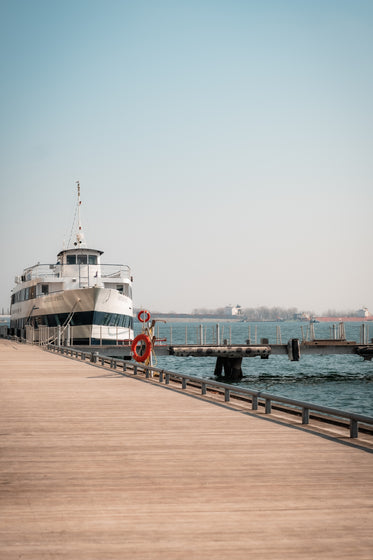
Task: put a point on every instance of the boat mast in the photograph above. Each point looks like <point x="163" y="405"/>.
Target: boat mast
<point x="80" y="240"/>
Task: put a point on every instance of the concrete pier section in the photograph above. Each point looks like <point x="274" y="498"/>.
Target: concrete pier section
<point x="97" y="465"/>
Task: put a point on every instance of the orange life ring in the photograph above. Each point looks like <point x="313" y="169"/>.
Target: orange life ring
<point x="146" y="316"/>
<point x="148" y="348"/>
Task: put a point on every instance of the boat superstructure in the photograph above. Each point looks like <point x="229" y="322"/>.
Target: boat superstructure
<point x="78" y="300"/>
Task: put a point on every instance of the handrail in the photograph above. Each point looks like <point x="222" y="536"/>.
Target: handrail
<point x="226" y="389"/>
<point x="50" y="271"/>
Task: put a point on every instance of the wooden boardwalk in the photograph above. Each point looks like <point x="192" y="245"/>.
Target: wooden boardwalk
<point x="98" y="466"/>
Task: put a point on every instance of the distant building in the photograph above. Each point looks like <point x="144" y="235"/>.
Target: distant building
<point x="363" y="312"/>
<point x="231" y="311"/>
<point x="302" y="316"/>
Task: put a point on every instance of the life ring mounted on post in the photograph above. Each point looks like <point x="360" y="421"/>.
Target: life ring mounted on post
<point x="143" y="316"/>
<point x="148" y="347"/>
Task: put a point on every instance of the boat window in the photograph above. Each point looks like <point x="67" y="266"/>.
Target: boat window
<point x="45" y="289"/>
<point x="92" y="259"/>
<point x="51" y="320"/>
<point x="82" y="259"/>
<point x="120" y="288"/>
<point x="71" y="259"/>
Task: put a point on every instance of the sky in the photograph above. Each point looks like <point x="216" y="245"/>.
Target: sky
<point x="223" y="147"/>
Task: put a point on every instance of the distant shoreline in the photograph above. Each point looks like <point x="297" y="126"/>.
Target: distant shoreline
<point x="343" y="319"/>
<point x="179" y="317"/>
<point x="195" y="318"/>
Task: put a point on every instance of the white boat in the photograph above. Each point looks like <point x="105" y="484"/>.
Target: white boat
<point x="76" y="301"/>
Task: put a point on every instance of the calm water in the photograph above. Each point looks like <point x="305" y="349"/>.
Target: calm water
<point x="344" y="382"/>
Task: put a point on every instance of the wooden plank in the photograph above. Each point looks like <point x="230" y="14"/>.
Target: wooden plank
<point x="95" y="465"/>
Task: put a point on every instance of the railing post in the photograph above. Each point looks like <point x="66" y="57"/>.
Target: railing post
<point x="124" y="365"/>
<point x="254" y="402"/>
<point x="135" y="369"/>
<point x="161" y="377"/>
<point x="94" y="357"/>
<point x="268" y="406"/>
<point x="167" y="379"/>
<point x="227" y="395"/>
<point x="305" y="415"/>
<point x="354" y="428"/>
<point x="147" y="373"/>
<point x="184" y="383"/>
<point x="203" y="389"/>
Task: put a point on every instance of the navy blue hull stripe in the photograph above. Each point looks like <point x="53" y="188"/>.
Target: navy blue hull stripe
<point x="79" y="318"/>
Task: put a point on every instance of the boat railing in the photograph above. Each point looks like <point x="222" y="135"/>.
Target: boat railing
<point x="47" y="271"/>
<point x="115" y="271"/>
<point x="50" y="272"/>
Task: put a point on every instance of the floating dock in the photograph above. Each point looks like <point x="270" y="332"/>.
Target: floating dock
<point x="229" y="357"/>
<point x="99" y="465"/>
<point x="294" y="349"/>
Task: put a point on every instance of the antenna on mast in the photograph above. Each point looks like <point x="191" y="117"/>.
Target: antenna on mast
<point x="80" y="240"/>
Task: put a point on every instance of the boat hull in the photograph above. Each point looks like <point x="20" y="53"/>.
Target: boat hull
<point x="83" y="316"/>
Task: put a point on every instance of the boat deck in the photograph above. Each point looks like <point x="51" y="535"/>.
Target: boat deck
<point x="96" y="465"/>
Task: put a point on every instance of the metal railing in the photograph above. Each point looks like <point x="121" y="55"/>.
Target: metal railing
<point x="350" y="420"/>
<point x="54" y="271"/>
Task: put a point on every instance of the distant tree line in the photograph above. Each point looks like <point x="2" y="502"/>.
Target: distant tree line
<point x="334" y="313"/>
<point x="262" y="313"/>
